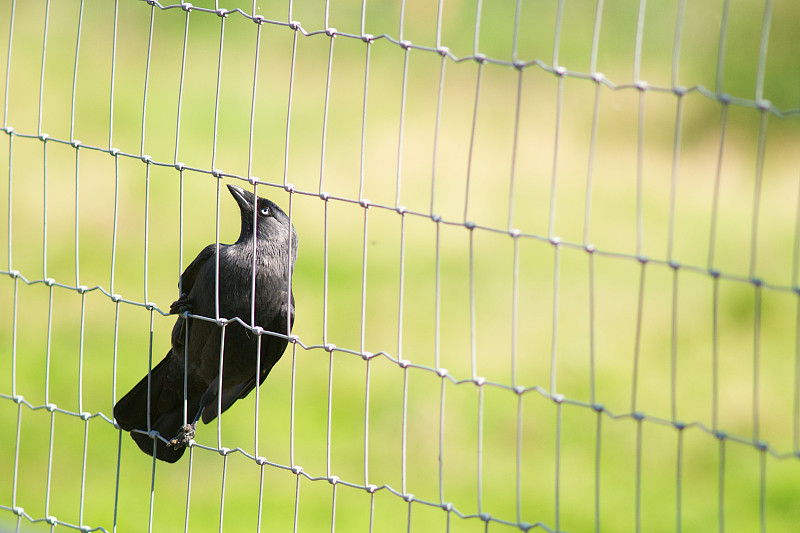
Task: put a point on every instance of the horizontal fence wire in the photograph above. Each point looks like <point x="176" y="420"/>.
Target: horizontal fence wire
<point x="399" y="356"/>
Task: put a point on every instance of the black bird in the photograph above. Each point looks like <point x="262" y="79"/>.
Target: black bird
<point x="274" y="311"/>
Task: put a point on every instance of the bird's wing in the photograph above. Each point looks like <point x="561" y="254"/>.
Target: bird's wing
<point x="188" y="278"/>
<point x="180" y="305"/>
<point x="189" y="275"/>
<point x="271" y="350"/>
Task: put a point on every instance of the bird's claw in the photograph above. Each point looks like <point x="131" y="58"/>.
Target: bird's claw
<point x="180" y="305"/>
<point x="184" y="436"/>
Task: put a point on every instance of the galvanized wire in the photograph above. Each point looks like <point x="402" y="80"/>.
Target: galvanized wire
<point x="409" y="368"/>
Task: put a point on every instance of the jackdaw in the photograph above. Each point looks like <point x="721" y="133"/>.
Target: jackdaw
<point x="200" y="341"/>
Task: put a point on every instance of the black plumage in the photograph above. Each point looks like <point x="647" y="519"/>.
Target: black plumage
<point x="276" y="251"/>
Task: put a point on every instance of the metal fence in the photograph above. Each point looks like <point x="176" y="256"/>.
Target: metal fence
<point x="548" y="267"/>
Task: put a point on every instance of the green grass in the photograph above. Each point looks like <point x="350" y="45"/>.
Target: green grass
<point x="679" y="469"/>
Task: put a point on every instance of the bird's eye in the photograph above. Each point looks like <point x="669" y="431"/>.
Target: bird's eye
<point x="265" y="211"/>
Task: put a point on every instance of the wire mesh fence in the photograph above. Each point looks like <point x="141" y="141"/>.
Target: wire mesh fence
<point x="547" y="274"/>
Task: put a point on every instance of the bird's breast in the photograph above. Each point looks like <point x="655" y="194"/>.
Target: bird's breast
<point x="236" y="287"/>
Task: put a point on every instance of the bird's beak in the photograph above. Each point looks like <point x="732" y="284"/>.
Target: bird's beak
<point x="242" y="197"/>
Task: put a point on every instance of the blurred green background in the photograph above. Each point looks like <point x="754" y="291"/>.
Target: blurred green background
<point x="729" y="366"/>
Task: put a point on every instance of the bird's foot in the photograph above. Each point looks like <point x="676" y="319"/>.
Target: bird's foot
<point x="180" y="305"/>
<point x="183" y="437"/>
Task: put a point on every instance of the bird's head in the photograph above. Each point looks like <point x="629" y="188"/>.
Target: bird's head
<point x="272" y="224"/>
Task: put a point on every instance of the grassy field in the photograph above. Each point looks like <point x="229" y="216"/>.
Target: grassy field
<point x="611" y="303"/>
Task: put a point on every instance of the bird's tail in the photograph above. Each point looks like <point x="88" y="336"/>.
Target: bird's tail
<point x="165" y="406"/>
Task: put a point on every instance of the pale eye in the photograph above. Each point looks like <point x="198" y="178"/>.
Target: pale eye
<point x="265" y="211"/>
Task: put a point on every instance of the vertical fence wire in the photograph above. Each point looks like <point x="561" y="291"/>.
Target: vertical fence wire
<point x="403" y="90"/>
<point x="371" y="510"/>
<point x="114" y="231"/>
<point x="796" y="291"/>
<point x="325" y="109"/>
<point x="44" y="208"/>
<point x="590" y="170"/>
<point x="113" y="77"/>
<point x="673" y="355"/>
<point x="292" y="406"/>
<point x="477" y="28"/>
<point x="404" y="433"/>
<point x="10" y="201"/>
<point x="759" y="175"/>
<point x="715" y="352"/>
<point x="188" y="490"/>
<point x="762" y="50"/>
<point x="717" y="183"/>
<point x="473" y="326"/>
<point x="554" y="329"/>
<point x="721" y="45"/>
<point x="721" y="485"/>
<point x="8" y="65"/>
<point x="151" y="510"/>
<point x="436" y="127"/>
<point x="515" y="312"/>
<point x="49" y="346"/>
<point x="442" y="447"/>
<point x="146" y="254"/>
<point x="81" y="345"/>
<point x="48" y="487"/>
<point x="592" y="338"/>
<point x="637" y="343"/>
<point x="216" y="97"/>
<point x="551" y="227"/>
<point x="557" y="463"/>
<point x="679" y="480"/>
<point x="253" y="105"/>
<point x="14" y="330"/>
<point x="150" y="378"/>
<point x="253" y="273"/>
<point x="39" y="130"/>
<point x="180" y="90"/>
<point x="363" y="149"/>
<point x="77" y="216"/>
<point x="116" y="482"/>
<point x="365" y="241"/>
<point x="479" y="440"/>
<point x="762" y="491"/>
<point x="260" y="498"/>
<point x="598" y="16"/>
<point x="676" y="45"/>
<point x="147" y="78"/>
<point x="638" y="475"/>
<point x="642" y="87"/>
<point x="676" y="155"/>
<point x="257" y="382"/>
<point x="224" y="478"/>
<point x="334" y="486"/>
<point x="218" y="379"/>
<point x="408" y="367"/>
<point x="85" y="455"/>
<point x="329" y="416"/>
<point x="289" y="100"/>
<point x="366" y="420"/>
<point x="473" y="129"/>
<point x="514" y="148"/>
<point x="756" y="407"/>
<point x="18" y="434"/>
<point x="75" y="75"/>
<point x="597" y="463"/>
<point x="296" y="502"/>
<point x="518" y="459"/>
<point x="216" y="252"/>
